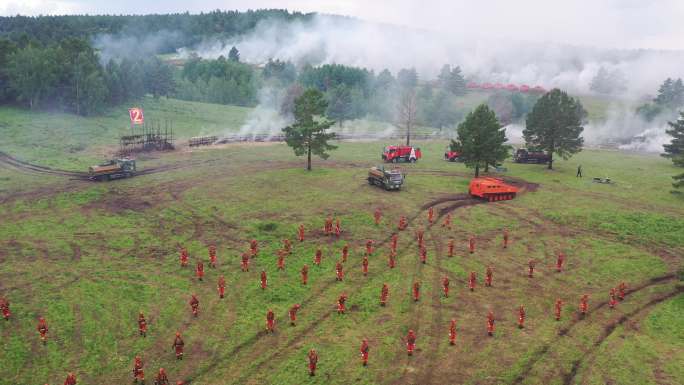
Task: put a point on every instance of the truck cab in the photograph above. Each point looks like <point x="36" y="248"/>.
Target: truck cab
<point x="389" y="179"/>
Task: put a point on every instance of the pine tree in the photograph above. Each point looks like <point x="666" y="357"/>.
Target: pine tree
<point x="555" y="125"/>
<point x="481" y="139"/>
<point x="234" y="54"/>
<point x="675" y="149"/>
<point x="308" y="134"/>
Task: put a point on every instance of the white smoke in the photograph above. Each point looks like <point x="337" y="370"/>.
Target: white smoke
<point x="265" y="120"/>
<point x="367" y="129"/>
<point x="331" y="39"/>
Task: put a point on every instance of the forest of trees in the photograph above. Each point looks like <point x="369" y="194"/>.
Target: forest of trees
<point x="52" y="62"/>
<point x="69" y="76"/>
<point x="191" y="28"/>
<point x="670" y="98"/>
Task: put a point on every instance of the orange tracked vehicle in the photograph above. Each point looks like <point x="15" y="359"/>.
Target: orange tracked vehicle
<point x="491" y="189"/>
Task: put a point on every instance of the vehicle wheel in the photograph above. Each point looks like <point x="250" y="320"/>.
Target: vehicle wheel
<point x="394" y="160"/>
<point x="370" y="181"/>
<point x="414" y="160"/>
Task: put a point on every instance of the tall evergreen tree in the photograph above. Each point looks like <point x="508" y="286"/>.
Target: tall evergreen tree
<point x="675" y="149"/>
<point x="308" y="135"/>
<point x="481" y="139"/>
<point x="555" y="125"/>
<point x="234" y="54"/>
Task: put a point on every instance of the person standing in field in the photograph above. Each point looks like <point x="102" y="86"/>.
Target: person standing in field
<point x="579" y="171"/>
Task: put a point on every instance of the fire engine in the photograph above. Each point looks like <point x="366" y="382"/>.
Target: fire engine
<point x="395" y="154"/>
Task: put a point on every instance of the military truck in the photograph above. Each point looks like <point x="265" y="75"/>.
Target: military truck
<point x="385" y="178"/>
<point x="113" y="169"/>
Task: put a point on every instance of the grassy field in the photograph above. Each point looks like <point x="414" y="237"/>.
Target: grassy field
<point x="90" y="256"/>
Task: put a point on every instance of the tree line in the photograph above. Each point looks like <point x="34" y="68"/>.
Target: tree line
<point x="191" y="28"/>
<point x="69" y="75"/>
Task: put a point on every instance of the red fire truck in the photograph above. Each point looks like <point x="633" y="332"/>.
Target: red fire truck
<point x="396" y="154"/>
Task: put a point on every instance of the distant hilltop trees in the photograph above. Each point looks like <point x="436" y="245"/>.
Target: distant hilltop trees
<point x="190" y="28"/>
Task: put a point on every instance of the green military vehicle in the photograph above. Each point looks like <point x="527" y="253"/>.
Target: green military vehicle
<point x="387" y="179"/>
<point x="116" y="168"/>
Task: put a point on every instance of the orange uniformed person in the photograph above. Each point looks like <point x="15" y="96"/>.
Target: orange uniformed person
<point x="431" y="215"/>
<point x="70" y="379"/>
<point x="559" y="306"/>
<point x="447" y="221"/>
<point x="263" y="280"/>
<point x="369" y="247"/>
<point x="161" y="378"/>
<point x="212" y="256"/>
<point x="318" y="257"/>
<point x="221" y="286"/>
<point x="270" y="321"/>
<point x="410" y="342"/>
<point x="341" y="308"/>
<point x="521" y="317"/>
<point x="530" y="268"/>
<point x="313" y="360"/>
<point x="451" y="247"/>
<point x="254" y="247"/>
<point x="419" y="236"/>
<point x="559" y="262"/>
<point x="43" y="329"/>
<point x="305" y="274"/>
<point x="612" y="301"/>
<point x="445" y="285"/>
<point x="184" y="257"/>
<point x="488" y="276"/>
<point x="423" y="255"/>
<point x="472" y="280"/>
<point x="281" y="259"/>
<point x="622" y="291"/>
<point x="345" y="253"/>
<point x="364" y="352"/>
<point x="416" y="291"/>
<point x="505" y="238"/>
<point x="403" y="223"/>
<point x="392" y="256"/>
<point x="194" y="305"/>
<point x="301" y="233"/>
<point x="452" y="332"/>
<point x="490" y="323"/>
<point x="364" y="265"/>
<point x="584" y="305"/>
<point x="384" y="293"/>
<point x="177" y="346"/>
<point x="142" y="324"/>
<point x="339" y="271"/>
<point x="138" y="373"/>
<point x="377" y="215"/>
<point x="471" y="244"/>
<point x="293" y="313"/>
<point x="338" y="228"/>
<point x="200" y="270"/>
<point x="244" y="265"/>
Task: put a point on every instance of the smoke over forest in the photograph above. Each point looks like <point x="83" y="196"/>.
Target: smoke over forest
<point x="330" y="39"/>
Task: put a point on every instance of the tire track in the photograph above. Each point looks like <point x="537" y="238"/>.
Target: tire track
<point x="541" y="351"/>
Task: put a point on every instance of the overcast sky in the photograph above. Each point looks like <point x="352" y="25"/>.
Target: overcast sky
<point x="655" y="24"/>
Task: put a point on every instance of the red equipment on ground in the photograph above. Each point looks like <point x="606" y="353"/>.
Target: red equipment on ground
<point x="451" y="156"/>
<point x="395" y="154"/>
<point x="491" y="189"/>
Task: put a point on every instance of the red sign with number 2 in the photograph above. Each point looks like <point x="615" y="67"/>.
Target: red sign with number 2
<point x="136" y="115"/>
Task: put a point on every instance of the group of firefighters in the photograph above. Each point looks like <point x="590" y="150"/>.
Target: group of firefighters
<point x="333" y="228"/>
